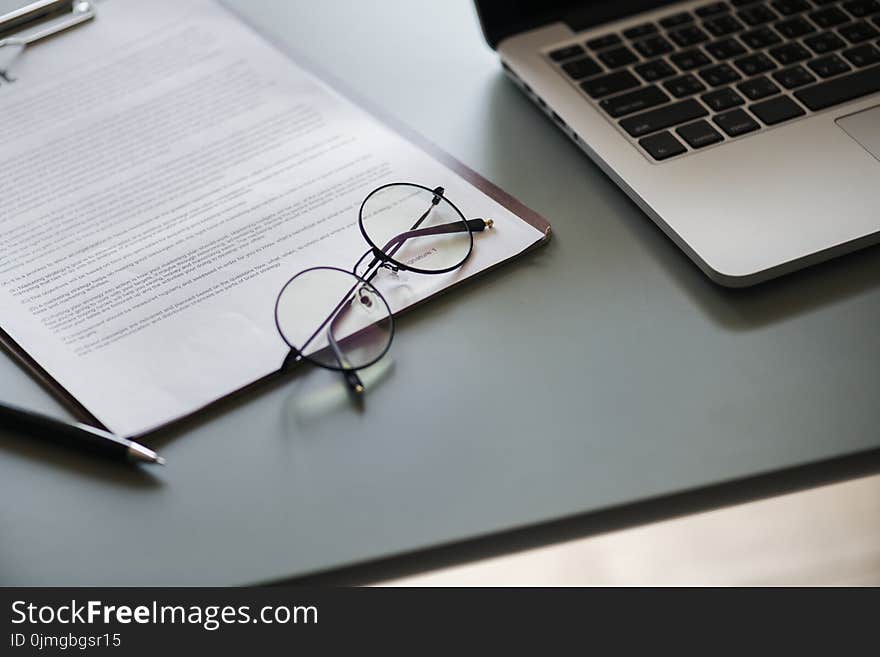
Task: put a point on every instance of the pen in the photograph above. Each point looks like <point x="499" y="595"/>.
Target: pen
<point x="78" y="435"/>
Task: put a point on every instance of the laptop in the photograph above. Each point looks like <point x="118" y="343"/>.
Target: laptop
<point x="748" y="131"/>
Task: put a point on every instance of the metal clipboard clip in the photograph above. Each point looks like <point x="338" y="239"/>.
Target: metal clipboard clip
<point x="38" y="21"/>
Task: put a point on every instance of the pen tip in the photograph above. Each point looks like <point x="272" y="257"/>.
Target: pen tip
<point x="140" y="454"/>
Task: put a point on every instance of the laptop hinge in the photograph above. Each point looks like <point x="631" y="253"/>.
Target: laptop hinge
<point x="501" y="18"/>
<point x="590" y="14"/>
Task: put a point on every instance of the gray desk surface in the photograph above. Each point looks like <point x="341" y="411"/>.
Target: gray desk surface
<point x="601" y="370"/>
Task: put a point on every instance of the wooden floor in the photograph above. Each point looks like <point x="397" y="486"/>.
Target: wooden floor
<point x="825" y="536"/>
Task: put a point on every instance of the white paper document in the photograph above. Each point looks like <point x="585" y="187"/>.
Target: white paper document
<point x="163" y="172"/>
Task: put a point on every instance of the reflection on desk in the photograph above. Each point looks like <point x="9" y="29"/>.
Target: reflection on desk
<point x="826" y="536"/>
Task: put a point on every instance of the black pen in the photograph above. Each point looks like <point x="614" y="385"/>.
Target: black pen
<point x="78" y="435"/>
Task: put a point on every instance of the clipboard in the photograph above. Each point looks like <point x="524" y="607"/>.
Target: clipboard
<point x="87" y="12"/>
<point x="20" y="29"/>
<point x="40" y="20"/>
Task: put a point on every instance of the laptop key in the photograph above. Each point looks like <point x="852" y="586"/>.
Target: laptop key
<point x="662" y="146"/>
<point x="777" y="110"/>
<point x="736" y="122"/>
<point x="858" y="32"/>
<point x="688" y="36"/>
<point x="686" y="85"/>
<point x="653" y="47"/>
<point x="723" y="25"/>
<point x="828" y="66"/>
<point x="863" y="55"/>
<point x="824" y="43"/>
<point x="640" y="30"/>
<point x="675" y="20"/>
<point x="862" y="8"/>
<point x="794" y="77"/>
<point x="663" y="117"/>
<point x="755" y="64"/>
<point x="699" y="134"/>
<point x="794" y="28"/>
<point x="611" y="83"/>
<point x="634" y="101"/>
<point x="722" y="99"/>
<point x="712" y="9"/>
<point x="715" y="76"/>
<point x="725" y="49"/>
<point x="757" y="15"/>
<point x="618" y="57"/>
<point x="655" y="70"/>
<point x="841" y="90"/>
<point x="790" y="7"/>
<point x="690" y="59"/>
<point x="605" y="41"/>
<point x="758" y="88"/>
<point x="830" y="17"/>
<point x="790" y="53"/>
<point x="568" y="52"/>
<point x="761" y="38"/>
<point x="578" y="69"/>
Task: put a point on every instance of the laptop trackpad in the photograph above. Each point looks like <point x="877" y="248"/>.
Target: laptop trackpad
<point x="864" y="127"/>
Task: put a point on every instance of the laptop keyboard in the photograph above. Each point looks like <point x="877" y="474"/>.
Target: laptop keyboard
<point x="727" y="69"/>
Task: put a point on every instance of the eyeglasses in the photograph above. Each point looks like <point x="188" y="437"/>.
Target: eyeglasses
<point x="336" y="318"/>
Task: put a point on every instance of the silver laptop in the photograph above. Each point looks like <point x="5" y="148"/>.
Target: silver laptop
<point x="748" y="131"/>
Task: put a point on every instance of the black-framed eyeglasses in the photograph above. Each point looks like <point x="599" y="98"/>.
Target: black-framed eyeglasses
<point x="336" y="318"/>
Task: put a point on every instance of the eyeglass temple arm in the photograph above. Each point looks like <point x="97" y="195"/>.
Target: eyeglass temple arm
<point x="438" y="196"/>
<point x="472" y="225"/>
<point x="352" y="380"/>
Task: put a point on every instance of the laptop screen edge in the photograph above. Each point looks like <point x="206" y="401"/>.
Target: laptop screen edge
<point x="500" y="19"/>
